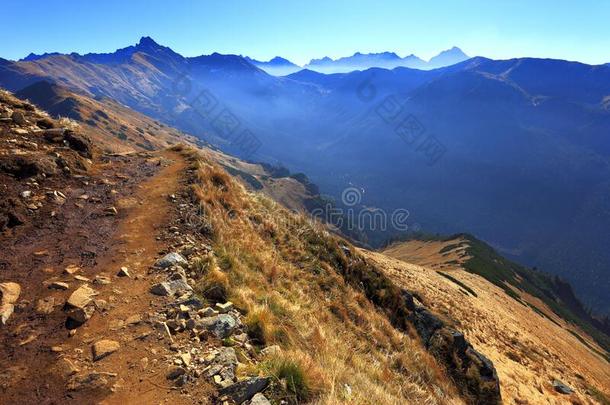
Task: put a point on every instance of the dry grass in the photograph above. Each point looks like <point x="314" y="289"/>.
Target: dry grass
<point x="284" y="273"/>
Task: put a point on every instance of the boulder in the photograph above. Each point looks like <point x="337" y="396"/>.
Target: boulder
<point x="246" y="389"/>
<point x="221" y="325"/>
<point x="10" y="294"/>
<point x="81" y="297"/>
<point x="171" y="259"/>
<point x="168" y="288"/>
<point x="473" y="373"/>
<point x="90" y="381"/>
<point x="19" y="118"/>
<point x="104" y="348"/>
<point x="425" y="323"/>
<point x="24" y="166"/>
<point x="79" y="143"/>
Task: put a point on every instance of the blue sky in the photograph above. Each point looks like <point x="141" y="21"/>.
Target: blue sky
<point x="314" y="28"/>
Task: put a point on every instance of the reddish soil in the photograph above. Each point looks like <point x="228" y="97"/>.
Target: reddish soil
<point x="99" y="244"/>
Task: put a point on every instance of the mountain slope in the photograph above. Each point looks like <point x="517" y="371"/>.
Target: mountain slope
<point x="526" y="334"/>
<point x="102" y="314"/>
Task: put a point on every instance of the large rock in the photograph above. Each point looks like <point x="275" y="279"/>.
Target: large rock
<point x="19" y="118"/>
<point x="79" y="143"/>
<point x="103" y="348"/>
<point x="246" y="389"/>
<point x="426" y="324"/>
<point x="171" y="259"/>
<point x="473" y="373"/>
<point x="221" y="326"/>
<point x="10" y="294"/>
<point x="90" y="381"/>
<point x="24" y="166"/>
<point x="81" y="297"/>
<point x="168" y="288"/>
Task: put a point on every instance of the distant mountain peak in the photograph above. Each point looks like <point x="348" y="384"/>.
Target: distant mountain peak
<point x="147" y="41"/>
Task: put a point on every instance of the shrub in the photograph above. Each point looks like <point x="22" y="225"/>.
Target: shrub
<point x="215" y="286"/>
<point x="259" y="324"/>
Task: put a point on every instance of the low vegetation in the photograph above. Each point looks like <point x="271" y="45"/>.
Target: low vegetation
<point x="336" y="324"/>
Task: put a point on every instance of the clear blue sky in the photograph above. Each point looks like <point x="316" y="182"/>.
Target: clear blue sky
<point x="574" y="30"/>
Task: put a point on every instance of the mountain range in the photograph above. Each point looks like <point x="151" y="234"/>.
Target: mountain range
<point x="361" y="61"/>
<point x="514" y="151"/>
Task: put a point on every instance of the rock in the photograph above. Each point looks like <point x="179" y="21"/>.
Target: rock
<point x="186" y="358"/>
<point x="45" y="123"/>
<point x="26" y="194"/>
<point x="101" y="280"/>
<point x="71" y="269"/>
<point x="271" y="350"/>
<point x="58" y="285"/>
<point x="224" y="308"/>
<point x="91" y="381"/>
<point x="18" y="118"/>
<point x="10" y="294"/>
<point x="104" y="348"/>
<point x="473" y="373"/>
<point x="171" y="259"/>
<point x="259" y="399"/>
<point x="79" y="143"/>
<point x="562" y="388"/>
<point x="25" y="166"/>
<point x="221" y="325"/>
<point x="80" y="315"/>
<point x="168" y="288"/>
<point x="425" y="323"/>
<point x="54" y="135"/>
<point x="123" y="272"/>
<point x="244" y="390"/>
<point x="111" y="211"/>
<point x="206" y="312"/>
<point x="226" y="357"/>
<point x="175" y="373"/>
<point x="81" y="297"/>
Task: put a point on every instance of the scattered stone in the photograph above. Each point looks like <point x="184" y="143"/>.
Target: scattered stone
<point x="102" y="280"/>
<point x="111" y="211"/>
<point x="123" y="272"/>
<point x="82" y="278"/>
<point x="562" y="388"/>
<point x="259" y="399"/>
<point x="246" y="389"/>
<point x="186" y="359"/>
<point x="168" y="288"/>
<point x="104" y="348"/>
<point x="81" y="297"/>
<point x="67" y="367"/>
<point x="175" y="372"/>
<point x="224" y="308"/>
<point x="171" y="259"/>
<point x="58" y="285"/>
<point x="26" y="194"/>
<point x="10" y="294"/>
<point x="206" y="312"/>
<point x="71" y="269"/>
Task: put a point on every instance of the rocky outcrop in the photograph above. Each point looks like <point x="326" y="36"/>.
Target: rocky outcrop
<point x="246" y="389"/>
<point x="474" y="374"/>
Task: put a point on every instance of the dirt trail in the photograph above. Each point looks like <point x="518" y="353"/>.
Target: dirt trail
<point x="38" y="370"/>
